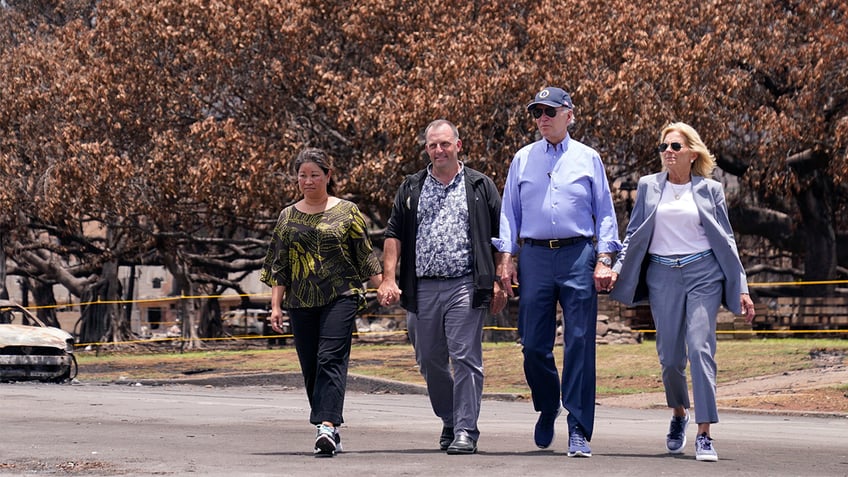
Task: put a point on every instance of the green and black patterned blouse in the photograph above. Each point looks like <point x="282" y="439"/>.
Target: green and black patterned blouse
<point x="320" y="257"/>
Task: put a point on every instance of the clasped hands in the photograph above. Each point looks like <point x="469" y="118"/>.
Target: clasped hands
<point x="605" y="278"/>
<point x="388" y="293"/>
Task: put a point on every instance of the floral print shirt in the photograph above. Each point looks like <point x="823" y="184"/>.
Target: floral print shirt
<point x="443" y="245"/>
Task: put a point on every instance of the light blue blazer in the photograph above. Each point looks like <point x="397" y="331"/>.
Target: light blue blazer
<point x="632" y="261"/>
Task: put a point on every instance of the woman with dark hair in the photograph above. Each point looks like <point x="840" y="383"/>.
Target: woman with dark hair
<point x="320" y="256"/>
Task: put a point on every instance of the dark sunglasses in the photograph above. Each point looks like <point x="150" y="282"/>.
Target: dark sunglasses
<point x="675" y="146"/>
<point x="537" y="112"/>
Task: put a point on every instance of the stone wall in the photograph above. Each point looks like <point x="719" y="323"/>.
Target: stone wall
<point x="388" y="325"/>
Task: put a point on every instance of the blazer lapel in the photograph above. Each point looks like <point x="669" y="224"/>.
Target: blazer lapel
<point x="654" y="192"/>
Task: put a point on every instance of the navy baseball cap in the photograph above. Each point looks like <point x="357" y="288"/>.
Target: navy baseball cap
<point x="553" y="97"/>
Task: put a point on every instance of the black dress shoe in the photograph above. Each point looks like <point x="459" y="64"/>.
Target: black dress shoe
<point x="446" y="438"/>
<point x="463" y="444"/>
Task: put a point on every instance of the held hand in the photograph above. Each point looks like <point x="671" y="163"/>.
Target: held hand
<point x="748" y="307"/>
<point x="388" y="293"/>
<point x="604" y="278"/>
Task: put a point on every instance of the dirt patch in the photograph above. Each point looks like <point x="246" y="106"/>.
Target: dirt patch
<point x="816" y="390"/>
<point x="64" y="467"/>
<point x="822" y="400"/>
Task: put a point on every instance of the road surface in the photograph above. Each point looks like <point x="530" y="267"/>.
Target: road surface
<point x="180" y="429"/>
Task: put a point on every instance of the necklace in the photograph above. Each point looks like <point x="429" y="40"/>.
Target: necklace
<point x="678" y="192"/>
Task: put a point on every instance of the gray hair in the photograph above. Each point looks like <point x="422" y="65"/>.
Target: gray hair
<point x="441" y="122"/>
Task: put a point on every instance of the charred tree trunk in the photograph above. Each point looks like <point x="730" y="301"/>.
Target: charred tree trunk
<point x="130" y="298"/>
<point x="815" y="202"/>
<point x="101" y="318"/>
<point x="46" y="302"/>
<point x="4" y="293"/>
<point x="210" y="319"/>
<point x="93" y="325"/>
<point x="186" y="309"/>
<point x="820" y="253"/>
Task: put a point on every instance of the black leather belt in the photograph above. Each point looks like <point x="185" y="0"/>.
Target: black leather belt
<point x="556" y="243"/>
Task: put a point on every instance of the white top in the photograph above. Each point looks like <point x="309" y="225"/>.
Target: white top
<point x="677" y="228"/>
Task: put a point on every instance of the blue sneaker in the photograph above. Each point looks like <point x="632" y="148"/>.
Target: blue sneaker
<point x="325" y="441"/>
<point x="544" y="432"/>
<point x="704" y="449"/>
<point x="675" y="440"/>
<point x="577" y="445"/>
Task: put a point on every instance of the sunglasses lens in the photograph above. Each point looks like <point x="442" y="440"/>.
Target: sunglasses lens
<point x="675" y="146"/>
<point x="537" y="112"/>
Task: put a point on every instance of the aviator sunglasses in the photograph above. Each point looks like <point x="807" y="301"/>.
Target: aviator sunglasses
<point x="537" y="112"/>
<point x="675" y="146"/>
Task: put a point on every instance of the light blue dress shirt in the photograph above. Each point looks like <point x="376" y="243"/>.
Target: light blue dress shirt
<point x="557" y="191"/>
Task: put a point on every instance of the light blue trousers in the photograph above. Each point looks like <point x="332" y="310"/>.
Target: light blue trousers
<point x="447" y="334"/>
<point x="684" y="303"/>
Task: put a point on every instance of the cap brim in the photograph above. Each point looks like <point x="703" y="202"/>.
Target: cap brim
<point x="546" y="103"/>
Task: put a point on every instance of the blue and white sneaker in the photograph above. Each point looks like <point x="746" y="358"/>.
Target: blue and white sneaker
<point x="704" y="450"/>
<point x="675" y="440"/>
<point x="325" y="441"/>
<point x="338" y="438"/>
<point x="577" y="444"/>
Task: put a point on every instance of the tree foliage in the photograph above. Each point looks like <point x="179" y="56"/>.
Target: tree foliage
<point x="161" y="132"/>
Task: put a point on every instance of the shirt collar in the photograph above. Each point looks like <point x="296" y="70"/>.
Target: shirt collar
<point x="562" y="146"/>
<point x="458" y="177"/>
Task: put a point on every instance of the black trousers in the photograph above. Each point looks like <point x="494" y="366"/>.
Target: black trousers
<point x="322" y="337"/>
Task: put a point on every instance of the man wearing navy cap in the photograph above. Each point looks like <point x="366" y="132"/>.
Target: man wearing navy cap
<point x="557" y="214"/>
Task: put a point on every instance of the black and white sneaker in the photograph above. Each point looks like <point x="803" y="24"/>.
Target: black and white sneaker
<point x="325" y="441"/>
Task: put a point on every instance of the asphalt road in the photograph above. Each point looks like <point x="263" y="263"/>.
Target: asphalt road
<point x="142" y="430"/>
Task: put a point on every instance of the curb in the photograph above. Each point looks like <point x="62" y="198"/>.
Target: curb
<point x="372" y="385"/>
<point x="355" y="383"/>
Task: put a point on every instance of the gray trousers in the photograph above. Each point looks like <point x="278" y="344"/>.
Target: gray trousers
<point x="447" y="335"/>
<point x="684" y="303"/>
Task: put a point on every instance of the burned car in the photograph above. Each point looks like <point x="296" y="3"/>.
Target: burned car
<point x="31" y="350"/>
<point x="245" y="322"/>
<point x="255" y="321"/>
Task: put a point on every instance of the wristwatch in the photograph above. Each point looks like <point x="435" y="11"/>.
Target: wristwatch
<point x="605" y="260"/>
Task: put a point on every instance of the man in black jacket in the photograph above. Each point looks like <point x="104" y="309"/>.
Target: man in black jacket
<point x="441" y="228"/>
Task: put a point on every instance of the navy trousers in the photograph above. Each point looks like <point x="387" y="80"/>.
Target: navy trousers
<point x="565" y="276"/>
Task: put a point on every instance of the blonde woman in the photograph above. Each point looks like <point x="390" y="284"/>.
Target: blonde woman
<point x="679" y="254"/>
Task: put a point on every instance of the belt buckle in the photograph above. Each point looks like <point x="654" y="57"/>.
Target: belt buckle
<point x="553" y="243"/>
<point x="677" y="263"/>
